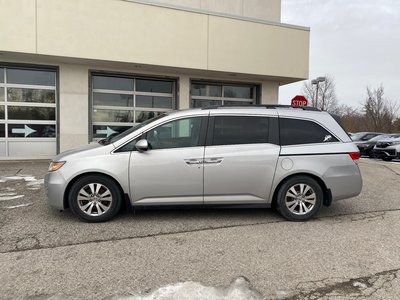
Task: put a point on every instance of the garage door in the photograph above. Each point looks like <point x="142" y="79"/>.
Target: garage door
<point x="27" y="112"/>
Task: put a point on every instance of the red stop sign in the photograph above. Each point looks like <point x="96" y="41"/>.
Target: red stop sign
<point x="299" y="101"/>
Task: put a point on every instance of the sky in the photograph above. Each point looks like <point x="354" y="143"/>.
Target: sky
<point x="355" y="41"/>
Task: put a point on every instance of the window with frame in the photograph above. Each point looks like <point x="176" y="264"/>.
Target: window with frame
<point x="119" y="102"/>
<point x="27" y="103"/>
<point x="181" y="133"/>
<point x="296" y="132"/>
<point x="233" y="130"/>
<point x="209" y="94"/>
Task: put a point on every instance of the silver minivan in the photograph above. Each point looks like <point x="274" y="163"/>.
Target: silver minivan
<point x="295" y="159"/>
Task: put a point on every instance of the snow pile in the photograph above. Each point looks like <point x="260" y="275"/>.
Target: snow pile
<point x="31" y="182"/>
<point x="239" y="289"/>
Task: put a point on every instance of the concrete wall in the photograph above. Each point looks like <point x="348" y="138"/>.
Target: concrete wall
<point x="268" y="10"/>
<point x="121" y="31"/>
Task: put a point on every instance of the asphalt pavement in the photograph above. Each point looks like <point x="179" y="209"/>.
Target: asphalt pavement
<point x="352" y="250"/>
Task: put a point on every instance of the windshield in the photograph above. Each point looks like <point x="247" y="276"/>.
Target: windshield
<point x="379" y="137"/>
<point x="357" y="136"/>
<point x="114" y="138"/>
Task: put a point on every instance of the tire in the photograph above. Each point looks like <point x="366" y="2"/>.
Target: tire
<point x="95" y="198"/>
<point x="387" y="158"/>
<point x="311" y="197"/>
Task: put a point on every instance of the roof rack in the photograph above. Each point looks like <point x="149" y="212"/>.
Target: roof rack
<point x="266" y="106"/>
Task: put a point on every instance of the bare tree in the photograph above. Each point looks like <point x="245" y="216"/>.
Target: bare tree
<point x="380" y="112"/>
<point x="326" y="98"/>
<point x="352" y="118"/>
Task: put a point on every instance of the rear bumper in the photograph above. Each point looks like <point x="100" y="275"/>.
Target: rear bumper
<point x="344" y="181"/>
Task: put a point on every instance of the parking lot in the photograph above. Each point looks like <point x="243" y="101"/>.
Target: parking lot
<point x="351" y="250"/>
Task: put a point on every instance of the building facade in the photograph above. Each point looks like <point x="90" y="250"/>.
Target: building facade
<point x="75" y="71"/>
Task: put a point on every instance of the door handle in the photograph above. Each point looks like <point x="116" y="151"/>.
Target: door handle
<point x="193" y="161"/>
<point x="213" y="160"/>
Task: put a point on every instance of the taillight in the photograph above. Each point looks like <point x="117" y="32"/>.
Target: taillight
<point x="355" y="155"/>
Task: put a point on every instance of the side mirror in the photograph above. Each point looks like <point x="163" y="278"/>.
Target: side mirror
<point x="142" y="145"/>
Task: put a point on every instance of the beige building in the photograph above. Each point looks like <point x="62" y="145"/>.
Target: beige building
<point x="74" y="71"/>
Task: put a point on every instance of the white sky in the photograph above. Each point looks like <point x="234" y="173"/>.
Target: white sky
<point x="355" y="41"/>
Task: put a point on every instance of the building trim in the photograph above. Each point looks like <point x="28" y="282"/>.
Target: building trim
<point x="218" y="14"/>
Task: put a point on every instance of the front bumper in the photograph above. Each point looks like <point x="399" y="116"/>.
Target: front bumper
<point x="380" y="152"/>
<point x="55" y="185"/>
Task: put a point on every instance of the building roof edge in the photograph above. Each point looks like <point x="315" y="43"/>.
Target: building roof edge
<point x="217" y="14"/>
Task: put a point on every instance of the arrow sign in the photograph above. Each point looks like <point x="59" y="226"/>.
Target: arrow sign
<point x="26" y="130"/>
<point x="107" y="131"/>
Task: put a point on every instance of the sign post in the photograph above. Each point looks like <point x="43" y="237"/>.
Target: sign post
<point x="299" y="101"/>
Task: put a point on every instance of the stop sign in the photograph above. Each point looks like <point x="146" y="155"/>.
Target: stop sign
<point x="299" y="101"/>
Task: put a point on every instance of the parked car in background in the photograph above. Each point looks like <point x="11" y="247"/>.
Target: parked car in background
<point x="389" y="148"/>
<point x="296" y="159"/>
<point x="367" y="147"/>
<point x="364" y="136"/>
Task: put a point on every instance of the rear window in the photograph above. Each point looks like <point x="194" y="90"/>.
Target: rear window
<point x="296" y="132"/>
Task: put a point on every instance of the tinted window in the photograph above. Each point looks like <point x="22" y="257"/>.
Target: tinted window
<point x="155" y="86"/>
<point x="153" y="101"/>
<point x="238" y="92"/>
<point x="31" y="95"/>
<point x="293" y="132"/>
<point x="176" y="134"/>
<point x="1" y="75"/>
<point x="112" y="99"/>
<point x="31" y="77"/>
<point x="2" y="129"/>
<point x="112" y="83"/>
<point x="231" y="130"/>
<point x="199" y="89"/>
<point x="31" y="113"/>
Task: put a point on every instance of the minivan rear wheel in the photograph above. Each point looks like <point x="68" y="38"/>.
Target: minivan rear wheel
<point x="95" y="198"/>
<point x="299" y="198"/>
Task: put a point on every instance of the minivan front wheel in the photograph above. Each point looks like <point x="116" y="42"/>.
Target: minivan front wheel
<point x="299" y="198"/>
<point x="95" y="198"/>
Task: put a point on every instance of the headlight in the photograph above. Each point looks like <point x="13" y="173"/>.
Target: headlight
<point x="395" y="143"/>
<point x="55" y="165"/>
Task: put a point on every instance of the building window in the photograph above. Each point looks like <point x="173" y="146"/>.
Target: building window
<point x="27" y="110"/>
<point x="118" y="102"/>
<point x="210" y="94"/>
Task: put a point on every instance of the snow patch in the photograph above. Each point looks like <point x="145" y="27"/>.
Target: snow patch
<point x="239" y="289"/>
<point x="7" y="194"/>
<point x="31" y="182"/>
<point x="10" y="197"/>
<point x="360" y="285"/>
<point x="18" y="206"/>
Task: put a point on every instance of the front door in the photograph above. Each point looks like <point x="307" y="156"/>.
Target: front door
<point x="171" y="171"/>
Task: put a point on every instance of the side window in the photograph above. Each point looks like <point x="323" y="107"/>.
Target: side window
<point x="294" y="132"/>
<point x="176" y="134"/>
<point x="231" y="130"/>
<point x="128" y="147"/>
